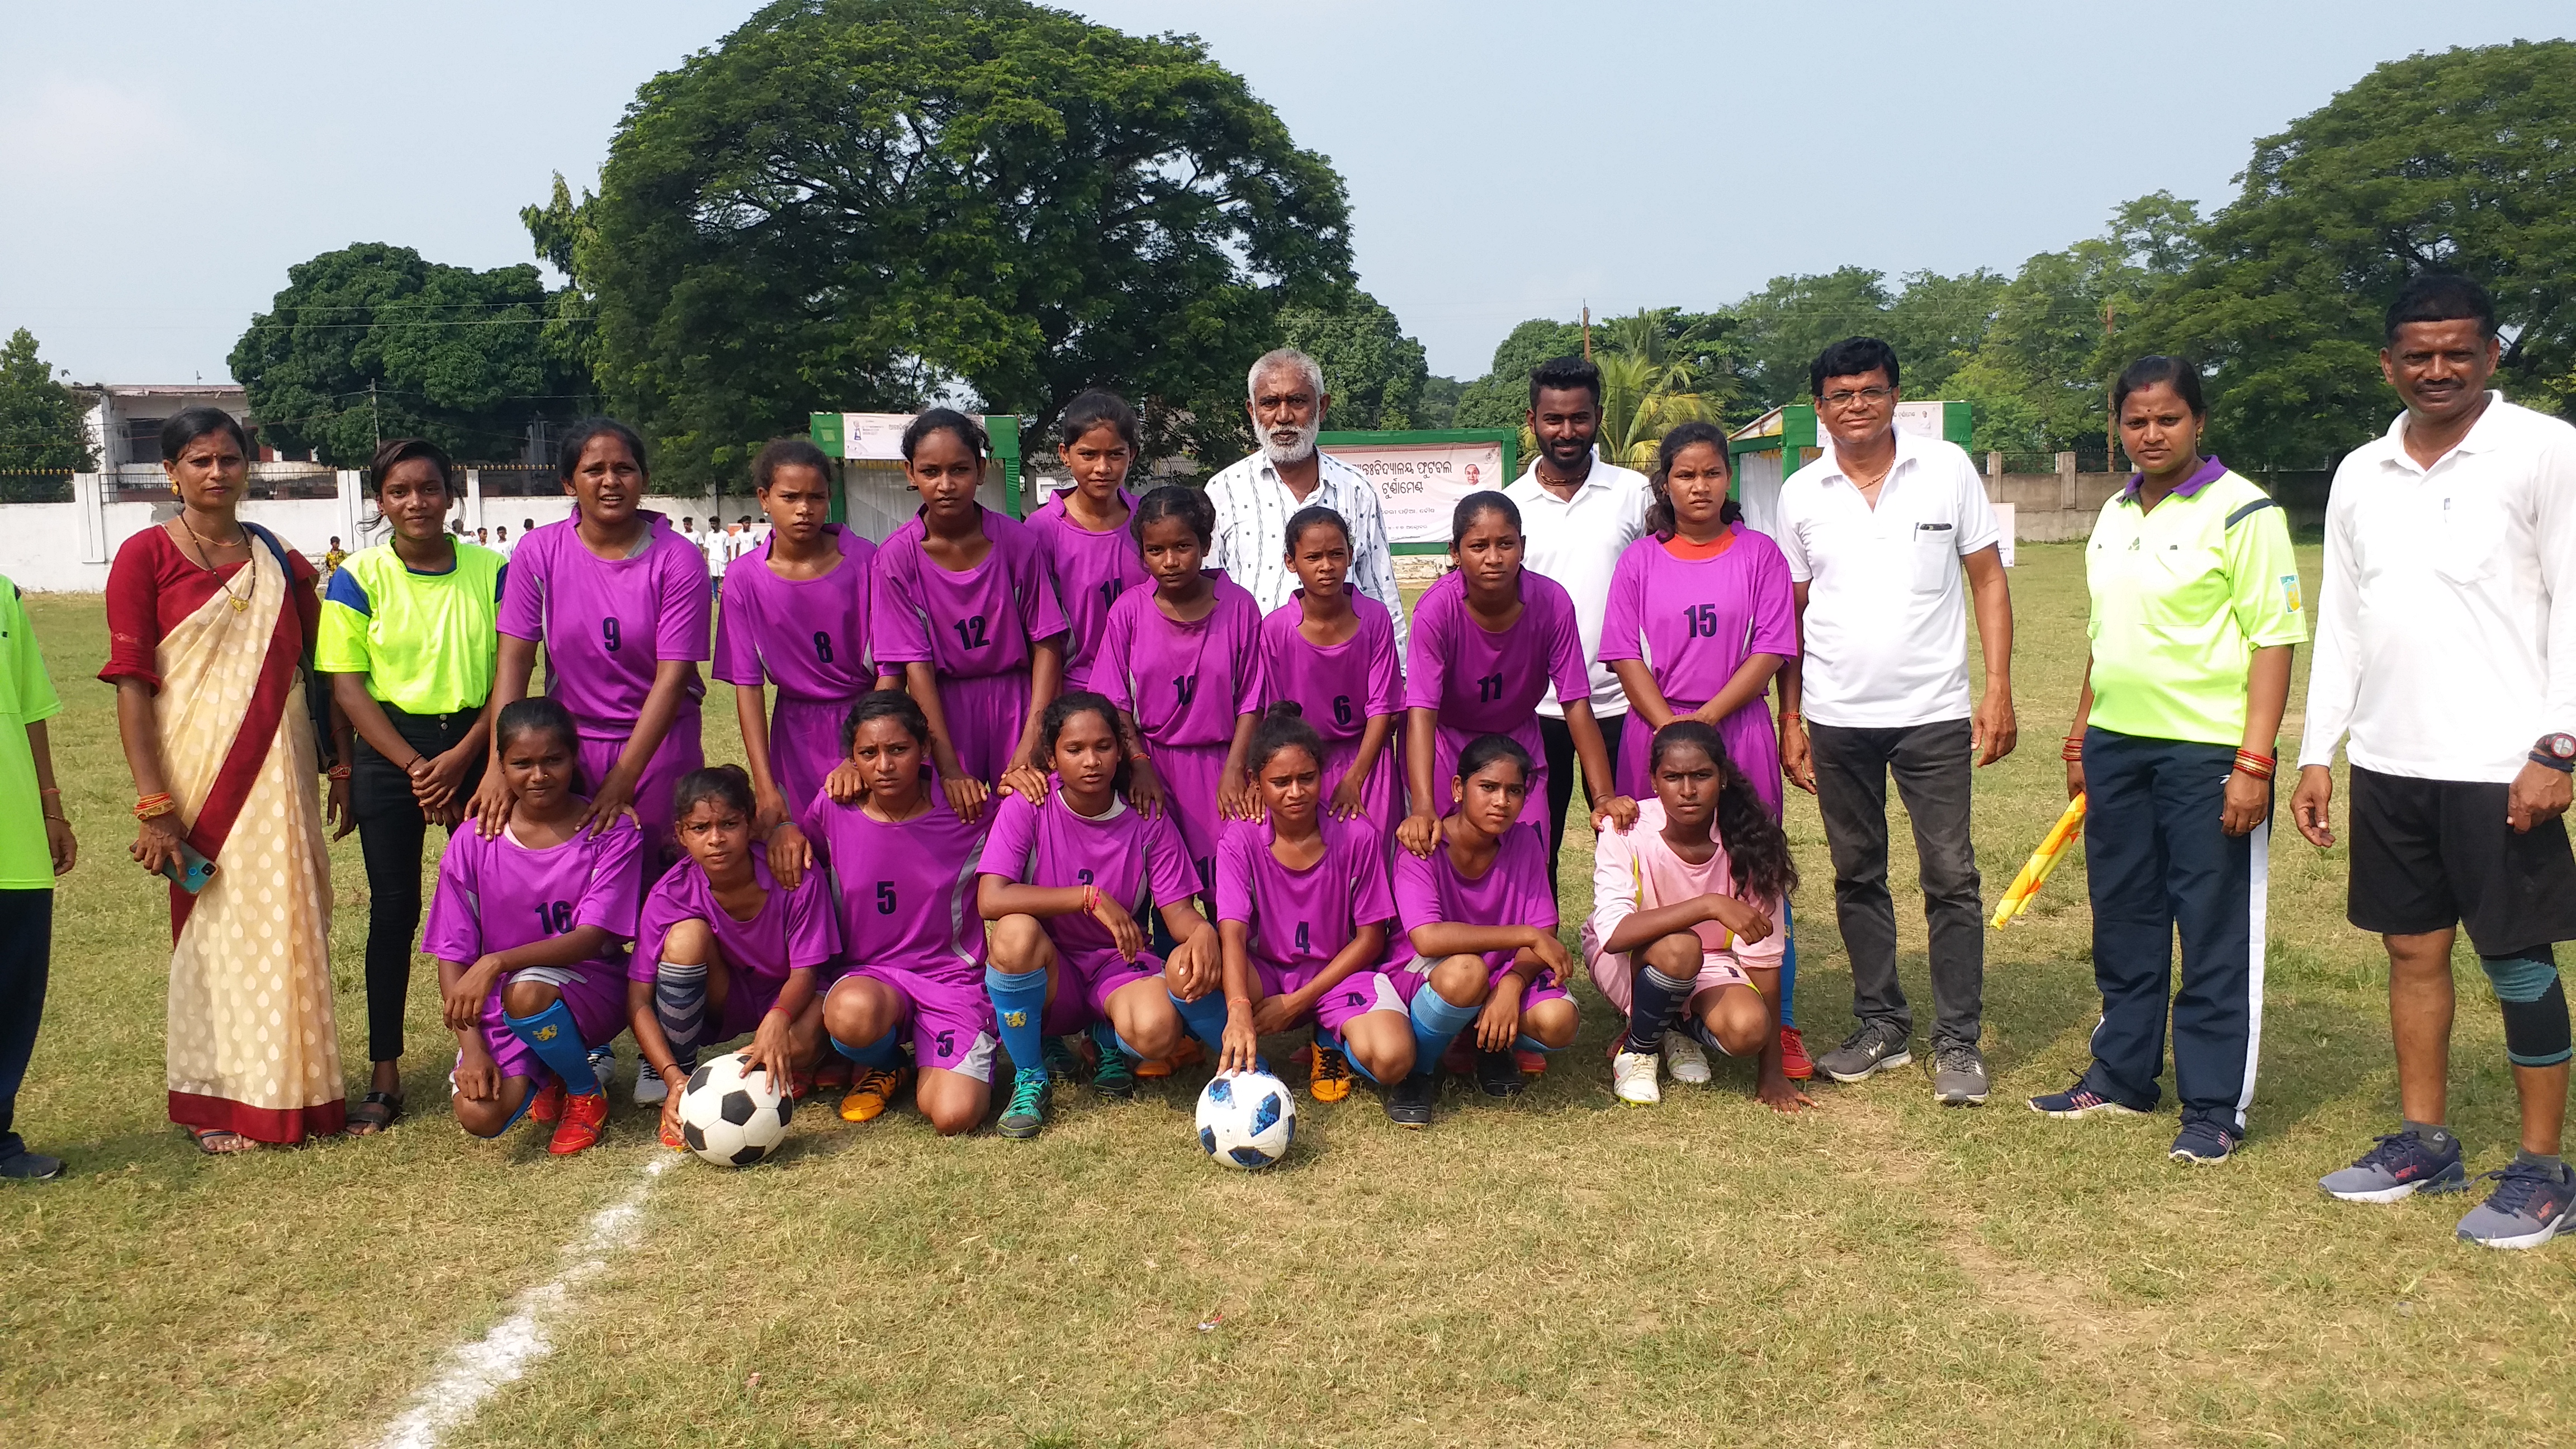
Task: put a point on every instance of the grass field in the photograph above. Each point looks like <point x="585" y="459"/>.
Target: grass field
<point x="1560" y="1271"/>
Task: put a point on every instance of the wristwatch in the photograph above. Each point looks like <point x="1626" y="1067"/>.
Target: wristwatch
<point x="2557" y="751"/>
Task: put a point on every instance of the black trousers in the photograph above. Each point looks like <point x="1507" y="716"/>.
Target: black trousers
<point x="1559" y="742"/>
<point x="1931" y="767"/>
<point x="391" y="831"/>
<point x="26" y="949"/>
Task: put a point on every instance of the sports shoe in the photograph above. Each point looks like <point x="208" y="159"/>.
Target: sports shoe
<point x="1026" y="1114"/>
<point x="1632" y="1076"/>
<point x="1460" y="1057"/>
<point x="1061" y="1059"/>
<point x="872" y="1090"/>
<point x="2080" y="1100"/>
<point x="1795" y="1064"/>
<point x="1499" y="1075"/>
<point x="584" y="1118"/>
<point x="25" y="1166"/>
<point x="800" y="1083"/>
<point x="1408" y="1102"/>
<point x="603" y="1066"/>
<point x="832" y="1074"/>
<point x="2529" y="1206"/>
<point x="1328" y="1073"/>
<point x="1190" y="1055"/>
<point x="669" y="1132"/>
<point x="548" y="1107"/>
<point x="2202" y="1143"/>
<point x="1115" y="1077"/>
<point x="650" y="1089"/>
<point x="1532" y="1064"/>
<point x="2397" y="1167"/>
<point x="1684" y="1061"/>
<point x="1958" y="1075"/>
<point x="1877" y="1047"/>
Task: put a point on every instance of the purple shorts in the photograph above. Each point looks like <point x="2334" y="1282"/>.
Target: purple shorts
<point x="1096" y="975"/>
<point x="985" y="716"/>
<point x="1382" y="795"/>
<point x="805" y="745"/>
<point x="952" y="1022"/>
<point x="681" y="752"/>
<point x="1411" y="979"/>
<point x="598" y="1002"/>
<point x="1191" y="775"/>
<point x="1449" y="744"/>
<point x="1359" y="993"/>
<point x="748" y="998"/>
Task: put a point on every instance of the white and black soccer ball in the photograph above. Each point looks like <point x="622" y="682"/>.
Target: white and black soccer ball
<point x="1247" y="1119"/>
<point x="731" y="1117"/>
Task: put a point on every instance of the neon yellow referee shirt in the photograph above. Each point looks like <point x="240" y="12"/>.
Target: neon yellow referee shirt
<point x="428" y="643"/>
<point x="2182" y="597"/>
<point x="26" y="696"/>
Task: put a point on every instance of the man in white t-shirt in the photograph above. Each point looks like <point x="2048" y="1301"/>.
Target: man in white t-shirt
<point x="1875" y="533"/>
<point x="1578" y="514"/>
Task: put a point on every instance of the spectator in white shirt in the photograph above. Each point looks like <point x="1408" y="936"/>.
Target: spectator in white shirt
<point x="1255" y="496"/>
<point x="2446" y="646"/>
<point x="1578" y="514"/>
<point x="1875" y="532"/>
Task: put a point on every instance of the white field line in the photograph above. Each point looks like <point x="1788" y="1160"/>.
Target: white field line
<point x="475" y="1371"/>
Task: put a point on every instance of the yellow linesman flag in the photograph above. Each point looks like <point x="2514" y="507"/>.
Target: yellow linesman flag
<point x="2035" y="872"/>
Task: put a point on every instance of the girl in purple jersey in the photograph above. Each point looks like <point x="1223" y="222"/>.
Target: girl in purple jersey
<point x="1063" y="883"/>
<point x="527" y="926"/>
<point x="620" y="603"/>
<point x="723" y="946"/>
<point x="965" y="607"/>
<point x="1302" y="906"/>
<point x="1084" y="529"/>
<point x="1333" y="651"/>
<point x="912" y="942"/>
<point x="1182" y="663"/>
<point x="1709" y="602"/>
<point x="796" y="618"/>
<point x="1480" y="920"/>
<point x="1488" y="640"/>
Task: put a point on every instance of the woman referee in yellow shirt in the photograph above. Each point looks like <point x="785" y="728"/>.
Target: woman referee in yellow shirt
<point x="410" y="637"/>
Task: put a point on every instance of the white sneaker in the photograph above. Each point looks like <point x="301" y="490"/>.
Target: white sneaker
<point x="603" y="1065"/>
<point x="1683" y="1059"/>
<point x="1632" y="1076"/>
<point x="650" y="1089"/>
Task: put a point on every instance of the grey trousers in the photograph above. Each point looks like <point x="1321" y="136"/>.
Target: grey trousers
<point x="1932" y="768"/>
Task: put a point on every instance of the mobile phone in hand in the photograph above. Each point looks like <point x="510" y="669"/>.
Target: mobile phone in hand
<point x="189" y="870"/>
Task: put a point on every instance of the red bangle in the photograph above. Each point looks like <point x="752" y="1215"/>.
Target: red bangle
<point x="2259" y="767"/>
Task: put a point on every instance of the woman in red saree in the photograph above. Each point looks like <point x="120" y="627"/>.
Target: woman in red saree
<point x="209" y="619"/>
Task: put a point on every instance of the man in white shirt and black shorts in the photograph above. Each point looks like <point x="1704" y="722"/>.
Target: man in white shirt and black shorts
<point x="2446" y="649"/>
<point x="1876" y="533"/>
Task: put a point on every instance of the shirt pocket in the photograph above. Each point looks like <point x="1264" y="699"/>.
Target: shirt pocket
<point x="2469" y="535"/>
<point x="2186" y="589"/>
<point x="1935" y="556"/>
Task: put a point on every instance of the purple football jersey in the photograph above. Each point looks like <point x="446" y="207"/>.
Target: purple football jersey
<point x="1486" y="682"/>
<point x="1091" y="571"/>
<point x="1300" y="920"/>
<point x="606" y="623"/>
<point x="907" y="892"/>
<point x="496" y="894"/>
<point x="1695" y="622"/>
<point x="1186" y="684"/>
<point x="1514" y="890"/>
<point x="808" y="637"/>
<point x="1341" y="686"/>
<point x="971" y="624"/>
<point x="1131" y="858"/>
<point x="794" y="928"/>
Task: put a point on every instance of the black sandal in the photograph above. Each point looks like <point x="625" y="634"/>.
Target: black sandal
<point x="378" y="1111"/>
<point x="206" y="1137"/>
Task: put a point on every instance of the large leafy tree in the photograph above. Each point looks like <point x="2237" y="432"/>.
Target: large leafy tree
<point x="1374" y="372"/>
<point x="40" y="424"/>
<point x="861" y="203"/>
<point x="1500" y="399"/>
<point x="372" y="341"/>
<point x="2463" y="161"/>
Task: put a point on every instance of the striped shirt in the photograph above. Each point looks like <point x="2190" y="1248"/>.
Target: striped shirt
<point x="1252" y="512"/>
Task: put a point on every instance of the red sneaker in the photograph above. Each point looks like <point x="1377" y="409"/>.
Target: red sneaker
<point x="1530" y="1063"/>
<point x="547" y="1109"/>
<point x="1794" y="1060"/>
<point x="584" y="1118"/>
<point x="1460" y="1059"/>
<point x="833" y="1075"/>
<point x="800" y="1084"/>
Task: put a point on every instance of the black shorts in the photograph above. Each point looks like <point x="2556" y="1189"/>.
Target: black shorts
<point x="2431" y="854"/>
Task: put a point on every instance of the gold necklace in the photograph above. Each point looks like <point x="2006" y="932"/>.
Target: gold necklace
<point x="206" y="560"/>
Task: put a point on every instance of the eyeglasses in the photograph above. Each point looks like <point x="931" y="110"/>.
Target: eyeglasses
<point x="1870" y="395"/>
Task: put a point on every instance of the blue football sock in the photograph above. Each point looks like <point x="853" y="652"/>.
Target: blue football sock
<point x="1019" y="1003"/>
<point x="1788" y="968"/>
<point x="1528" y="1043"/>
<point x="1436" y="1019"/>
<point x="556" y="1039"/>
<point x="1204" y="1017"/>
<point x="882" y="1053"/>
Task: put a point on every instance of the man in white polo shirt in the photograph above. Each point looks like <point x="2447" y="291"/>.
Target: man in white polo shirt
<point x="1875" y="533"/>
<point x="2446" y="646"/>
<point x="1578" y="514"/>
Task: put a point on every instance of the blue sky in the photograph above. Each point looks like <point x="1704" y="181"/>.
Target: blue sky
<point x="161" y="165"/>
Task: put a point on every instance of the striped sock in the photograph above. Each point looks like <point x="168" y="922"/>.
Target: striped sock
<point x="680" y="1004"/>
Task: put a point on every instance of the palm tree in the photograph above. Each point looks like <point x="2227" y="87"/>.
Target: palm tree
<point x="1648" y="385"/>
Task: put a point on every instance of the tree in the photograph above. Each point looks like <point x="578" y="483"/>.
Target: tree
<point x="2463" y="161"/>
<point x="1781" y="328"/>
<point x="1438" y="405"/>
<point x="40" y="424"/>
<point x="1374" y="372"/>
<point x="861" y="203"/>
<point x="1651" y="383"/>
<point x="372" y="341"/>
<point x="1500" y="399"/>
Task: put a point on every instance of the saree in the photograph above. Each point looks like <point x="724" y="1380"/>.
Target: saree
<point x="253" y="1048"/>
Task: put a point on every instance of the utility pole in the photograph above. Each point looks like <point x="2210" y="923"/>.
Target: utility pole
<point x="374" y="423"/>
<point x="2111" y="418"/>
<point x="1587" y="332"/>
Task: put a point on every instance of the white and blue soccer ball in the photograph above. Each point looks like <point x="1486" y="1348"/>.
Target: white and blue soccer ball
<point x="731" y="1117"/>
<point x="1247" y="1119"/>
